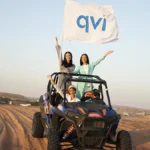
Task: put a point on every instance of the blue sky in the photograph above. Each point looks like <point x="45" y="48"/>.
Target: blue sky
<point x="27" y="48"/>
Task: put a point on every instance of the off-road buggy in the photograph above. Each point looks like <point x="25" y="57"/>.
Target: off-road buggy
<point x="90" y="123"/>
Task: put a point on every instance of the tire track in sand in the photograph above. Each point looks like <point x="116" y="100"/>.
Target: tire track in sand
<point x="41" y="143"/>
<point x="6" y="133"/>
<point x="12" y="131"/>
<point x="22" y="127"/>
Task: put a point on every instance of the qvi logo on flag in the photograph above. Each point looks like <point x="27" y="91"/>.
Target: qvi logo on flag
<point x="89" y="22"/>
<point x="90" y="19"/>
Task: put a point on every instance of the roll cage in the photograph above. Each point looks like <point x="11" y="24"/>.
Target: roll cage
<point x="79" y="78"/>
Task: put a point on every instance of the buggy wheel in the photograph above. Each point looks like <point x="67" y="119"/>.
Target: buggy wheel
<point x="124" y="141"/>
<point x="53" y="138"/>
<point x="37" y="126"/>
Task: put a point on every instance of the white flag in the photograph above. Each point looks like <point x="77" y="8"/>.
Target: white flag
<point x="89" y="22"/>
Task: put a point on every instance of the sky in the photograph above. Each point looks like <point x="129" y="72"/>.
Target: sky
<point x="27" y="48"/>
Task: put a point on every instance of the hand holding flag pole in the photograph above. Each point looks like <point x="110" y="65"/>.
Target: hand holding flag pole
<point x="56" y="41"/>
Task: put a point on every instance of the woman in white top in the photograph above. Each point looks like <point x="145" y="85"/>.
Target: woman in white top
<point x="87" y="68"/>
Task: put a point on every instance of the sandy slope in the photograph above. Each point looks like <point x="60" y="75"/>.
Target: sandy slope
<point x="16" y="121"/>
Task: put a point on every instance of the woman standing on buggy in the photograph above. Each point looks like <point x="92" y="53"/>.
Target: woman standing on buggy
<point x="66" y="65"/>
<point x="87" y="68"/>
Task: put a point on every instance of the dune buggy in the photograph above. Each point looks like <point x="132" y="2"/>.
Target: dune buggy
<point x="90" y="123"/>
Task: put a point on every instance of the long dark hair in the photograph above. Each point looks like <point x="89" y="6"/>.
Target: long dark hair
<point x="64" y="61"/>
<point x="81" y="63"/>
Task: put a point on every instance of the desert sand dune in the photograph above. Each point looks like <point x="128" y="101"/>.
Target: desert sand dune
<point x="16" y="122"/>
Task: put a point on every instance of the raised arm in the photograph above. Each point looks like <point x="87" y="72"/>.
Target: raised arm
<point x="59" y="52"/>
<point x="109" y="52"/>
<point x="55" y="86"/>
<point x="102" y="58"/>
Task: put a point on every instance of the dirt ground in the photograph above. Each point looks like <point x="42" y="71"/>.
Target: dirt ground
<point x="16" y="122"/>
